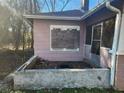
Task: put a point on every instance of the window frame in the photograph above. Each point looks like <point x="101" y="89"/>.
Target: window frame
<point x="64" y="27"/>
<point x="101" y="23"/>
<point x="92" y="39"/>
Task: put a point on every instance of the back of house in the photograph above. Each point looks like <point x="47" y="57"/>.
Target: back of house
<point x="76" y="35"/>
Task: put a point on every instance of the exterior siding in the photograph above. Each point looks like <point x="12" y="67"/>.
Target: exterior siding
<point x="42" y="41"/>
<point x="105" y="57"/>
<point x="119" y="77"/>
<point x="87" y="51"/>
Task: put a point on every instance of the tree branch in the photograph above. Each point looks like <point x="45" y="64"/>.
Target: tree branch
<point x="47" y="5"/>
<point x="65" y="4"/>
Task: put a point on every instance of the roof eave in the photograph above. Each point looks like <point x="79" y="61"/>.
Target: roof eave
<point x="92" y="11"/>
<point x="52" y="17"/>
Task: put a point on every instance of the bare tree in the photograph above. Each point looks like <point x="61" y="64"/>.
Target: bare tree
<point x="51" y="4"/>
<point x="65" y="4"/>
<point x="24" y="6"/>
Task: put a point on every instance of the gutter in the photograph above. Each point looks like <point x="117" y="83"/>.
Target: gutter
<point x="115" y="41"/>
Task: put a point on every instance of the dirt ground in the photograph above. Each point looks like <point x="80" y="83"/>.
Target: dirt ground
<point x="60" y="65"/>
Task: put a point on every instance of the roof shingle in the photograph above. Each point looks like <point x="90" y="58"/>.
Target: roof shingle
<point x="69" y="13"/>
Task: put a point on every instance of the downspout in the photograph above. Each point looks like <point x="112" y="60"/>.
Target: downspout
<point x="115" y="41"/>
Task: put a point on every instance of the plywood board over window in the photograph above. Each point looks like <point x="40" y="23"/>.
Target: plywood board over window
<point x="64" y="38"/>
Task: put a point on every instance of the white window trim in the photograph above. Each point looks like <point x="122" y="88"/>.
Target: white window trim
<point x="64" y="49"/>
<point x="92" y="35"/>
<point x="64" y="27"/>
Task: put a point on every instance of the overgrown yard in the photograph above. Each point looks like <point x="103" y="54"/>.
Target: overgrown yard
<point x="11" y="60"/>
<point x="82" y="90"/>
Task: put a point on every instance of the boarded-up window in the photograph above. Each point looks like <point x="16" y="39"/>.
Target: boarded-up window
<point x="65" y="37"/>
<point x="108" y="33"/>
<point x="88" y="35"/>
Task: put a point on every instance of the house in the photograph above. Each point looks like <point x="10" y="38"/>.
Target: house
<point x="75" y="35"/>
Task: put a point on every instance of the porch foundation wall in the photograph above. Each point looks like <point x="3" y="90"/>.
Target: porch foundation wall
<point x="62" y="78"/>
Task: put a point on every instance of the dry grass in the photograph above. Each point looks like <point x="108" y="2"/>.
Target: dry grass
<point x="81" y="90"/>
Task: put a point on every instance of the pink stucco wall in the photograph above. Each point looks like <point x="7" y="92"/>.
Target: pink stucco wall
<point x="42" y="41"/>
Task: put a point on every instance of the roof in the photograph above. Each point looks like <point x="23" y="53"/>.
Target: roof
<point x="68" y="15"/>
<point x="60" y="15"/>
